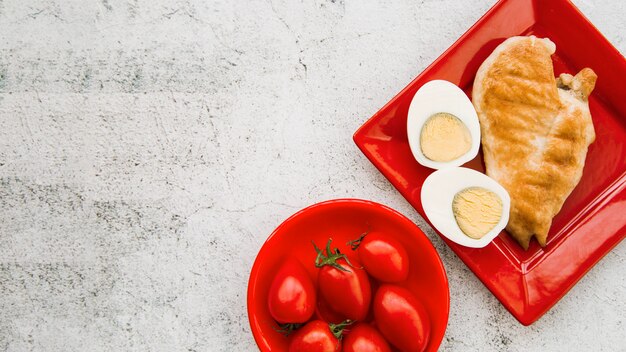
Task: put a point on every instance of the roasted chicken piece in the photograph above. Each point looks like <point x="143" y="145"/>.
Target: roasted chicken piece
<point x="535" y="129"/>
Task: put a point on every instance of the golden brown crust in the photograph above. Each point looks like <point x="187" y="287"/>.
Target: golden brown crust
<point x="534" y="136"/>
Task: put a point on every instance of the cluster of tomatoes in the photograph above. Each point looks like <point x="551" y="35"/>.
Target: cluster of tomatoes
<point x="358" y="304"/>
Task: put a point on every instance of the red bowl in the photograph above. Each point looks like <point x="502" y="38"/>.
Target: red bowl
<point x="343" y="220"/>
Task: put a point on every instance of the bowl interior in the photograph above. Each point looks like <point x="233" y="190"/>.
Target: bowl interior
<point x="343" y="220"/>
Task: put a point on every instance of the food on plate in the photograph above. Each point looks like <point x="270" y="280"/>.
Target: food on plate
<point x="535" y="131"/>
<point x="477" y="210"/>
<point x="442" y="126"/>
<point x="365" y="338"/>
<point x="444" y="137"/>
<point x="383" y="257"/>
<point x="466" y="206"/>
<point x="401" y="318"/>
<point x="343" y="283"/>
<point x="318" y="336"/>
<point x="292" y="297"/>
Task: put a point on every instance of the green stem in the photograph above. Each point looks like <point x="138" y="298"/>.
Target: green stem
<point x="330" y="258"/>
<point x="337" y="329"/>
<point x="354" y="244"/>
<point x="287" y="328"/>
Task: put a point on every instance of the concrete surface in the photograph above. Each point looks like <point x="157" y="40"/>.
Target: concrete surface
<point x="148" y="147"/>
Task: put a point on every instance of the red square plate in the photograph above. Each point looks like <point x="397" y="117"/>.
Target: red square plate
<point x="592" y="220"/>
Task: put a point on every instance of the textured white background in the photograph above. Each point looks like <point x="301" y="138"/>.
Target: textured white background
<point x="148" y="148"/>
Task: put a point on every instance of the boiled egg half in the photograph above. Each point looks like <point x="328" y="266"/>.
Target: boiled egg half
<point x="442" y="126"/>
<point x="466" y="206"/>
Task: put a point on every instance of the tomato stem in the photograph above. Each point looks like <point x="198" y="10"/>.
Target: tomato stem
<point x="330" y="258"/>
<point x="354" y="244"/>
<point x="287" y="328"/>
<point x="337" y="329"/>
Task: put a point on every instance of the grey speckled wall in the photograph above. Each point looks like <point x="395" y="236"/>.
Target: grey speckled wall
<point x="148" y="147"/>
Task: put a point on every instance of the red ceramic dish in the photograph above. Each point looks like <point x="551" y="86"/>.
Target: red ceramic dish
<point x="592" y="220"/>
<point x="343" y="220"/>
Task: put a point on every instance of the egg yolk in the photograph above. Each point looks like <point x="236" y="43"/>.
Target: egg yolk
<point x="477" y="211"/>
<point x="444" y="138"/>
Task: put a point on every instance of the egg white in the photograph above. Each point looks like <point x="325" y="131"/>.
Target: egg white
<point x="438" y="193"/>
<point x="441" y="96"/>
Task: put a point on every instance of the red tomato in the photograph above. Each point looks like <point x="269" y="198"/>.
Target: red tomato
<point x="365" y="338"/>
<point x="343" y="284"/>
<point x="325" y="313"/>
<point x="401" y="318"/>
<point x="292" y="295"/>
<point x="316" y="336"/>
<point x="382" y="257"/>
